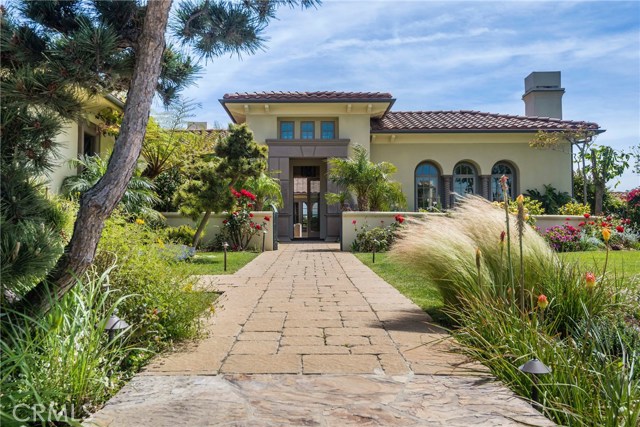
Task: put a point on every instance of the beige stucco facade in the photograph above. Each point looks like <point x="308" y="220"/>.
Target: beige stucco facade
<point x="440" y="155"/>
<point x="71" y="141"/>
<point x="533" y="167"/>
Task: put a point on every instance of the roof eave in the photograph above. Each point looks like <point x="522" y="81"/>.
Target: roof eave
<point x="393" y="131"/>
<point x="391" y="101"/>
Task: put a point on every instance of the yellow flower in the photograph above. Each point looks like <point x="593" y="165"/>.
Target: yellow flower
<point x="543" y="302"/>
<point x="140" y="221"/>
<point x="520" y="199"/>
<point x="606" y="234"/>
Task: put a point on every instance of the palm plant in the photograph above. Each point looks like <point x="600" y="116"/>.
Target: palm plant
<point x="267" y="191"/>
<point x="369" y="181"/>
<point x="138" y="198"/>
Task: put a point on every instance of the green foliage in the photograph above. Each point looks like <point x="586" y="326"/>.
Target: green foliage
<point x="633" y="208"/>
<point x="610" y="203"/>
<point x="167" y="185"/>
<point x="574" y="208"/>
<point x="267" y="191"/>
<point x="163" y="305"/>
<point x="369" y="182"/>
<point x="379" y="238"/>
<point x="241" y="157"/>
<point x="594" y="379"/>
<point x="137" y="200"/>
<point x="531" y="207"/>
<point x="34" y="230"/>
<point x="65" y="358"/>
<point x="551" y="200"/>
<point x="240" y="226"/>
<point x="182" y="234"/>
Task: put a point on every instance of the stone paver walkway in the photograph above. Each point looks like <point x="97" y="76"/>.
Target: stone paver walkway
<point x="310" y="309"/>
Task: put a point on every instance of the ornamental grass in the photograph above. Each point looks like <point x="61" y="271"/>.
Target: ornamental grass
<point x="579" y="323"/>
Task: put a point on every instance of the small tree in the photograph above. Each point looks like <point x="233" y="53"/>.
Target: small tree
<point x="370" y="182"/>
<point x="236" y="158"/>
<point x="606" y="164"/>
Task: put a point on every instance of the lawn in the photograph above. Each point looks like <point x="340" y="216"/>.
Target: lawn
<point x="620" y="262"/>
<point x="213" y="262"/>
<point x="411" y="283"/>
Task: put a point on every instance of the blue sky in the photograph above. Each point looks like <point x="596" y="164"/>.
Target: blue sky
<point x="450" y="56"/>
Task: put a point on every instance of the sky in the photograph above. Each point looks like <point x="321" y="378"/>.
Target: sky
<point x="449" y="56"/>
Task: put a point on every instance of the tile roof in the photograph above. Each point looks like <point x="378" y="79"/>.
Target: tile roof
<point x="443" y="121"/>
<point x="307" y="96"/>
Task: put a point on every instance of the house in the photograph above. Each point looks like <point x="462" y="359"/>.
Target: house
<point x="439" y="154"/>
<point x="83" y="137"/>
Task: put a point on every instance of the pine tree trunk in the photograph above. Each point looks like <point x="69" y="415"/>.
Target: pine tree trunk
<point x="200" y="230"/>
<point x="99" y="202"/>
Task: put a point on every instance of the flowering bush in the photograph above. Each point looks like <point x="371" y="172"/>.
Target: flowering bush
<point x="379" y="238"/>
<point x="240" y="226"/>
<point x="633" y="208"/>
<point x="564" y="238"/>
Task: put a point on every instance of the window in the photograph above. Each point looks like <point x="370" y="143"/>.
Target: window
<point x="328" y="130"/>
<point x="464" y="179"/>
<point x="427" y="186"/>
<point x="498" y="170"/>
<point x="307" y="130"/>
<point x="286" y="130"/>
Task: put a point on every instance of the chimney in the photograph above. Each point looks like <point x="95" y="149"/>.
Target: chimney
<point x="196" y="125"/>
<point x="543" y="94"/>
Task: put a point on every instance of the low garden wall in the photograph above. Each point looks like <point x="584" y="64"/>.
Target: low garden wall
<point x="214" y="226"/>
<point x="368" y="220"/>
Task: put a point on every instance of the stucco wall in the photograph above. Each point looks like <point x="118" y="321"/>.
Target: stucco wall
<point x="175" y="219"/>
<point x="534" y="167"/>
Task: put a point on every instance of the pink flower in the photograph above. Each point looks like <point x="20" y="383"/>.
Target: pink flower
<point x="354" y="222"/>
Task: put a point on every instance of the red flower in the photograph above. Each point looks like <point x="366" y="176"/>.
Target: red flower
<point x="258" y="227"/>
<point x="592" y="223"/>
<point x="225" y="221"/>
<point x="249" y="205"/>
<point x="502" y="236"/>
<point x="590" y="280"/>
<point x="603" y="224"/>
<point x="252" y="225"/>
<point x="609" y="218"/>
<point x="399" y="218"/>
<point x="587" y="215"/>
<point x="354" y="222"/>
<point x="568" y="219"/>
<point x="620" y="229"/>
<point x="250" y="215"/>
<point x="581" y="224"/>
<point x="267" y="218"/>
<point x="543" y="302"/>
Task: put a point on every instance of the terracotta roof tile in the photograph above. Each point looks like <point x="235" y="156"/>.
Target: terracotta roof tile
<point x="469" y="120"/>
<point x="307" y="96"/>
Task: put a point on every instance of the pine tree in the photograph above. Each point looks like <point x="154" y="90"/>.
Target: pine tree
<point x="56" y="54"/>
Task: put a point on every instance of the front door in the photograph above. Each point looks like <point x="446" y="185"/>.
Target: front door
<point x="306" y="202"/>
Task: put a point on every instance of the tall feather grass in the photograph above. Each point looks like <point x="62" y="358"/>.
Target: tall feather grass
<point x="593" y="354"/>
<point x="64" y="359"/>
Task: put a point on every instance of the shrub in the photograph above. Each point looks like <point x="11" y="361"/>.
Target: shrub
<point x="379" y="238"/>
<point x="531" y="207"/>
<point x="64" y="358"/>
<point x="594" y="379"/>
<point x="564" y="238"/>
<point x="551" y="200"/>
<point x="163" y="305"/>
<point x="633" y="208"/>
<point x="182" y="234"/>
<point x="240" y="226"/>
<point x="574" y="208"/>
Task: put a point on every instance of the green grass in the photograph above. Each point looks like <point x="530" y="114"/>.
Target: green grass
<point x="213" y="262"/>
<point x="411" y="283"/>
<point x="626" y="263"/>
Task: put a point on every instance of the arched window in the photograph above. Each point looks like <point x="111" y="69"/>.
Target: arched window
<point x="498" y="170"/>
<point x="464" y="179"/>
<point x="427" y="186"/>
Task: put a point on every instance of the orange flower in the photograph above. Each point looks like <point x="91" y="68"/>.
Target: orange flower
<point x="606" y="234"/>
<point x="590" y="278"/>
<point x="543" y="302"/>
